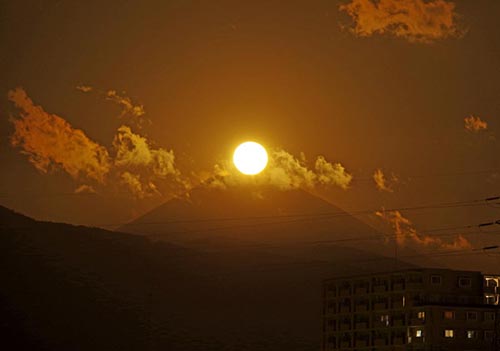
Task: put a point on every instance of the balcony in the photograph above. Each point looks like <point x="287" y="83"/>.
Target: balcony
<point x="345" y="344"/>
<point x="380" y="341"/>
<point x="398" y="286"/>
<point x="398" y="322"/>
<point x="380" y="306"/>
<point x="362" y="342"/>
<point x="362" y="325"/>
<point x="380" y="288"/>
<point x="362" y="307"/>
<point x="345" y="309"/>
<point x="345" y="326"/>
<point x="398" y="340"/>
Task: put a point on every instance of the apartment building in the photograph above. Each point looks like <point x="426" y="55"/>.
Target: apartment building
<point x="417" y="309"/>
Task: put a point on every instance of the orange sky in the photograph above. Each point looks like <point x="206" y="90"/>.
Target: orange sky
<point x="361" y="88"/>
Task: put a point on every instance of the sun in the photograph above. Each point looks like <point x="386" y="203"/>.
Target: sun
<point x="250" y="158"/>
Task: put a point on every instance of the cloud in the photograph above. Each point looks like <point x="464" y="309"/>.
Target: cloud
<point x="139" y="188"/>
<point x="414" y="20"/>
<point x="331" y="173"/>
<point x="406" y="233"/>
<point x="133" y="150"/>
<point x="382" y="183"/>
<point x="284" y="171"/>
<point x="84" y="88"/>
<point x="474" y="124"/>
<point x="145" y="169"/>
<point x="51" y="142"/>
<point x="128" y="106"/>
<point x="84" y="188"/>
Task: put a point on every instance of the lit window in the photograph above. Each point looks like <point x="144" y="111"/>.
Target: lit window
<point x="449" y="333"/>
<point x="492" y="283"/>
<point x="464" y="282"/>
<point x="490" y="299"/>
<point x="471" y="334"/>
<point x="436" y="280"/>
<point x="449" y="315"/>
<point x="421" y="315"/>
<point x="384" y="319"/>
<point x="471" y="316"/>
<point x="419" y="333"/>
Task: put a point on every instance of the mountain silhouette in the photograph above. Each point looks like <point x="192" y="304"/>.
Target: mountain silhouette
<point x="286" y="222"/>
<point x="70" y="287"/>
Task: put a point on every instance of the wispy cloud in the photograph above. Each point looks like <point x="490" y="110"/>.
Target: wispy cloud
<point x="84" y="88"/>
<point x="133" y="112"/>
<point x="145" y="165"/>
<point x="285" y="171"/>
<point x="382" y="183"/>
<point x="85" y="188"/>
<point x="51" y="142"/>
<point x="414" y="20"/>
<point x="128" y="107"/>
<point x="406" y="234"/>
<point x="474" y="124"/>
<point x="134" y="150"/>
<point x="138" y="187"/>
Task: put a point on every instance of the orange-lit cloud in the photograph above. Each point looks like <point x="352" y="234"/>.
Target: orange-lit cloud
<point x="474" y="124"/>
<point x="126" y="103"/>
<point x="51" y="142"/>
<point x="133" y="150"/>
<point x="406" y="233"/>
<point x="331" y="173"/>
<point x="84" y="88"/>
<point x="285" y="171"/>
<point x="382" y="183"/>
<point x="138" y="187"/>
<point x="414" y="20"/>
<point x="144" y="168"/>
<point x="85" y="188"/>
<point x="133" y="112"/>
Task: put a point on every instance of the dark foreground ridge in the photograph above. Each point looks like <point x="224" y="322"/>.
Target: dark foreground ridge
<point x="70" y="287"/>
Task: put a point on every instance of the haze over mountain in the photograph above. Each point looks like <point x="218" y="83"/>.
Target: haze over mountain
<point x="80" y="288"/>
<point x="234" y="218"/>
<point x="296" y="223"/>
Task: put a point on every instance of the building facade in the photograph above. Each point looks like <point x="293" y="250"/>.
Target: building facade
<point x="418" y="309"/>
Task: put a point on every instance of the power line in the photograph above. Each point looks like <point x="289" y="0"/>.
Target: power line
<point x="456" y="204"/>
<point x="322" y="264"/>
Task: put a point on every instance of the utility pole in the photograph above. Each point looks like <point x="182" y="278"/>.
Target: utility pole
<point x="496" y="337"/>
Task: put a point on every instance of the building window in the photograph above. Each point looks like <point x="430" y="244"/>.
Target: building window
<point x="419" y="333"/>
<point x="436" y="279"/>
<point x="464" y="282"/>
<point x="489" y="316"/>
<point x="421" y="315"/>
<point x="490" y="299"/>
<point x="449" y="315"/>
<point x="449" y="333"/>
<point x="471" y="316"/>
<point x="491" y="283"/>
<point x="471" y="334"/>
<point x="384" y="319"/>
<point x="488" y="335"/>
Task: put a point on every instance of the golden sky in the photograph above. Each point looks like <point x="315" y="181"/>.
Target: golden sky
<point x="120" y="105"/>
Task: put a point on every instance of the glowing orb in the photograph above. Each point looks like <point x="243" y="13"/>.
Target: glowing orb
<point x="250" y="158"/>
